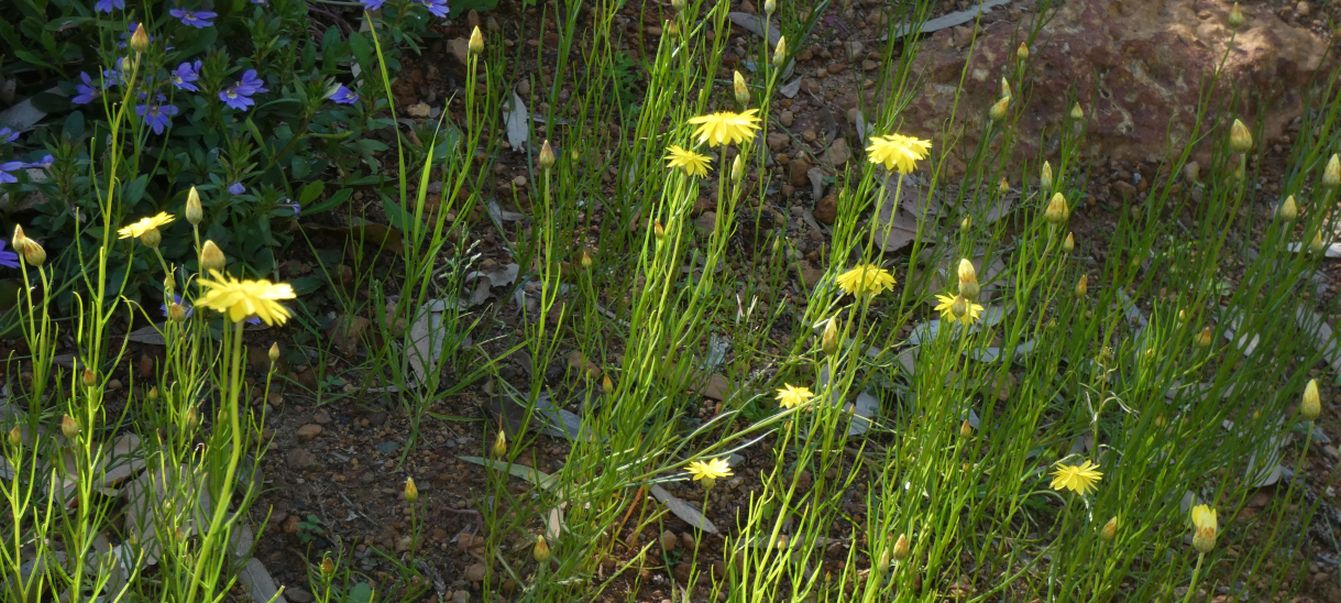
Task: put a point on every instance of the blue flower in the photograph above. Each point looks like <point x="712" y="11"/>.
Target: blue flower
<point x="296" y="207"/>
<point x="46" y="162"/>
<point x="114" y="75"/>
<point x="438" y="8"/>
<point x="8" y="259"/>
<point x="8" y="135"/>
<point x="185" y="76"/>
<point x="238" y="96"/>
<point x="197" y="19"/>
<point x="372" y="5"/>
<point x="236" y="188"/>
<point x="6" y="177"/>
<point x="107" y="6"/>
<point x="342" y="95"/>
<point x="157" y="116"/>
<point x="86" y="90"/>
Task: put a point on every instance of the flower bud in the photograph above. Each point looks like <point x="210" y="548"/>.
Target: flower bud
<point x="476" y="44"/>
<point x="883" y="562"/>
<point x="1045" y="176"/>
<point x="89" y="378"/>
<point x="966" y="224"/>
<point x="540" y="552"/>
<point x="1310" y="406"/>
<point x="586" y="259"/>
<point x="607" y="385"/>
<point x="194" y="213"/>
<point x="31" y="251"/>
<point x="411" y="492"/>
<point x="211" y="257"/>
<point x="678" y="5"/>
<point x="968" y="280"/>
<point x="1316" y="246"/>
<point x="1288" y="210"/>
<point x="965" y="429"/>
<point x="742" y="91"/>
<point x="959" y="307"/>
<point x="192" y="418"/>
<point x="151" y="238"/>
<point x="1083" y="285"/>
<point x="139" y="41"/>
<point x="500" y="447"/>
<point x="1331" y="175"/>
<point x="737" y="168"/>
<point x="1109" y="531"/>
<point x="780" y="53"/>
<point x="998" y="110"/>
<point x="1240" y="139"/>
<point x="658" y="231"/>
<point x="770" y="6"/>
<point x="152" y="394"/>
<point x="829" y="339"/>
<point x="1022" y="52"/>
<point x="328" y="565"/>
<point x="273" y="354"/>
<point x="902" y="546"/>
<point x="1069" y="244"/>
<point x="69" y="427"/>
<point x="1005" y="88"/>
<point x="15" y="436"/>
<point x="1204" y="337"/>
<point x="1235" y="18"/>
<point x="546" y="158"/>
<point x="176" y="312"/>
<point x="1077" y="114"/>
<point x="1205" y="528"/>
<point x="1057" y="211"/>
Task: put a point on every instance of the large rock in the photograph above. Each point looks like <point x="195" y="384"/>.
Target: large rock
<point x="1138" y="68"/>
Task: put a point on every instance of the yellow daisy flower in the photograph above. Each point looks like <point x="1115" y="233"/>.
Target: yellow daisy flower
<point x="897" y="152"/>
<point x="1080" y="479"/>
<point x="146" y="229"/>
<point x="725" y="127"/>
<point x="694" y="164"/>
<point x="240" y="299"/>
<point x="866" y="280"/>
<point x="1206" y="526"/>
<point x="709" y="471"/>
<point x="791" y="396"/>
<point x="957" y="308"/>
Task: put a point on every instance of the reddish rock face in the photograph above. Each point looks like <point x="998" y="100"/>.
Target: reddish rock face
<point x="1138" y="68"/>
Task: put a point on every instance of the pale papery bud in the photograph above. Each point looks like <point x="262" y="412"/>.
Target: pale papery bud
<point x="741" y="89"/>
<point x="139" y="41"/>
<point x="476" y="44"/>
<point x="194" y="212"/>
<point x="1289" y="210"/>
<point x="1240" y="139"/>
<point x="1331" y="175"/>
<point x="780" y="53"/>
<point x="211" y="257"/>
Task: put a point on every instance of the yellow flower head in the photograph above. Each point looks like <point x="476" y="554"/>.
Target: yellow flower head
<point x="1205" y="528"/>
<point x="240" y="299"/>
<point x="692" y="163"/>
<point x="791" y="396"/>
<point x="146" y="226"/>
<point x="709" y="471"/>
<point x="1080" y="479"/>
<point x="866" y="280"/>
<point x="897" y="152"/>
<point x="957" y="308"/>
<point x="725" y="127"/>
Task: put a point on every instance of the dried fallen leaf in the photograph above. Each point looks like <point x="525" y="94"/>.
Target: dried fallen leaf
<point x="516" y="121"/>
<point x="685" y="511"/>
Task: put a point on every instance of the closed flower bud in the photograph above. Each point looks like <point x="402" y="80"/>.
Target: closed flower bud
<point x="1316" y="246"/>
<point x="658" y="230"/>
<point x="31" y="250"/>
<point x="678" y="5"/>
<point x="540" y="552"/>
<point x="902" y="546"/>
<point x="411" y="492"/>
<point x="882" y="564"/>
<point x="1310" y="406"/>
<point x="959" y="307"/>
<point x="1240" y="139"/>
<point x="139" y="41"/>
<point x="998" y="110"/>
<point x="15" y="436"/>
<point x="1057" y="211"/>
<point x="742" y="91"/>
<point x="607" y="385"/>
<point x="176" y="312"/>
<point x="192" y="418"/>
<point x="1289" y="210"/>
<point x="1077" y="113"/>
<point x="328" y="565"/>
<point x="1083" y="285"/>
<point x="1069" y="244"/>
<point x="586" y="259"/>
<point x="1045" y="176"/>
<point x="966" y="223"/>
<point x="476" y="44"/>
<point x="780" y="53"/>
<point x="1331" y="175"/>
<point x="1003" y="186"/>
<point x="194" y="213"/>
<point x="1022" y="52"/>
<point x="273" y="354"/>
<point x="829" y="339"/>
<point x="1204" y="337"/>
<point x="1205" y="528"/>
<point x="965" y="429"/>
<point x="1109" y="531"/>
<point x="152" y="394"/>
<point x="737" y="168"/>
<point x="211" y="257"/>
<point x="151" y="237"/>
<point x="500" y="447"/>
<point x="1005" y="89"/>
<point x="546" y="158"/>
<point x="89" y="378"/>
<point x="69" y="427"/>
<point x="1235" y="18"/>
<point x="770" y="6"/>
<point x="968" y="280"/>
